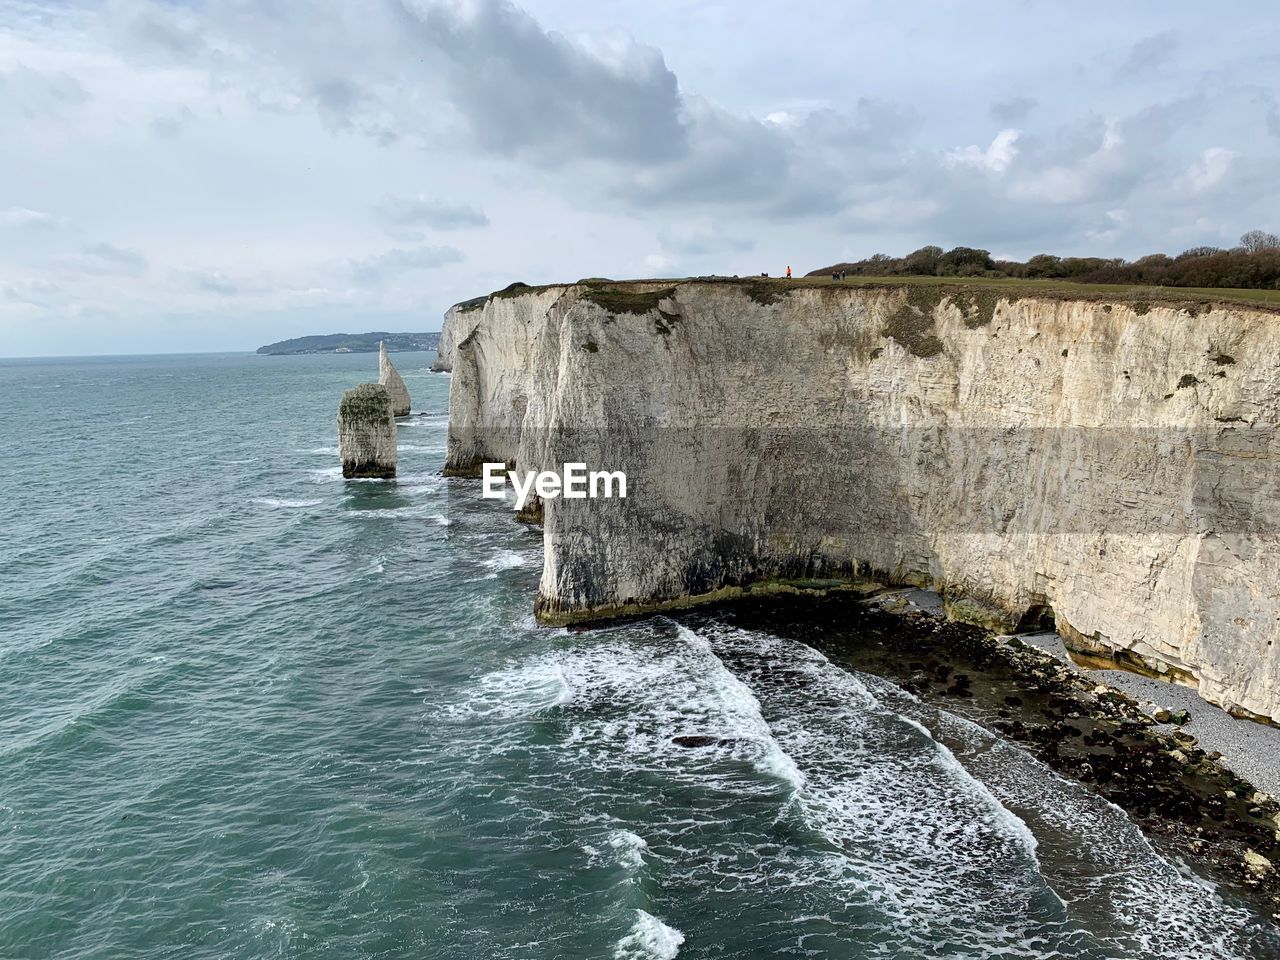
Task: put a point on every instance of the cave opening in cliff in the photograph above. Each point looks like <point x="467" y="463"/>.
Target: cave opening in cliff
<point x="1039" y="616"/>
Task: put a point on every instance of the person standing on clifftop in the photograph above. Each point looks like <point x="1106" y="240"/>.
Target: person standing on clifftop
<point x="788" y="273"/>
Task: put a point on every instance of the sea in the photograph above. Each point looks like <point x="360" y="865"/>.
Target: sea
<point x="249" y="709"/>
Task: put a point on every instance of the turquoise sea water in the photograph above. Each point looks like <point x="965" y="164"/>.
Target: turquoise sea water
<point x="249" y="709"/>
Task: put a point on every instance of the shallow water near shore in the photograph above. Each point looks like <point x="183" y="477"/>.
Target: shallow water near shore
<point x="249" y="709"/>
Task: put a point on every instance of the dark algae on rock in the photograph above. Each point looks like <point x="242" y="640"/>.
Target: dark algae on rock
<point x="912" y="323"/>
<point x="619" y="300"/>
<point x="367" y="433"/>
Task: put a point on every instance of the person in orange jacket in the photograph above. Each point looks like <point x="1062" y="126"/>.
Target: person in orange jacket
<point x="788" y="273"/>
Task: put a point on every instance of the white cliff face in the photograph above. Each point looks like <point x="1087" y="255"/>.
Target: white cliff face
<point x="1110" y="464"/>
<point x="367" y="432"/>
<point x="390" y="378"/>
<point x="459" y="321"/>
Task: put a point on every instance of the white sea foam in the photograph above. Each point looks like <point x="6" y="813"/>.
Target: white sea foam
<point x="288" y="504"/>
<point x="649" y="939"/>
<point x="909" y="827"/>
<point x="629" y="848"/>
<point x="1013" y="824"/>
<point x="651" y="694"/>
<point x="877" y="820"/>
<point x="418" y="512"/>
<point x="742" y="710"/>
<point x="1135" y="899"/>
<point x="423" y="481"/>
<point x="506" y="560"/>
<point x="521" y="690"/>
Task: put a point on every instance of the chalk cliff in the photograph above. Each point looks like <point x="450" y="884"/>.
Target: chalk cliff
<point x="1109" y="464"/>
<point x="459" y="321"/>
<point x="367" y="432"/>
<point x="390" y="378"/>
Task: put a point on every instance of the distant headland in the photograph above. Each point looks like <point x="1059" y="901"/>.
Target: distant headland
<point x="353" y="343"/>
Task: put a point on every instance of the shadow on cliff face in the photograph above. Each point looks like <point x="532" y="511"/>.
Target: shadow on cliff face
<point x="1179" y="795"/>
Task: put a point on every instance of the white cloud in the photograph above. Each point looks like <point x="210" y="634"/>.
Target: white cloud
<point x="423" y="211"/>
<point x="393" y="264"/>
<point x="659" y="262"/>
<point x="104" y="259"/>
<point x="997" y="156"/>
<point x="241" y="150"/>
<point x="24" y="217"/>
<point x="1209" y="170"/>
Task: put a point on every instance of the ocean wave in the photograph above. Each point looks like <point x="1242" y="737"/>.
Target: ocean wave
<point x="424" y="481"/>
<point x="505" y="560"/>
<point x="740" y="708"/>
<point x="635" y="704"/>
<point x="809" y="783"/>
<point x="859" y="757"/>
<point x="1137" y="900"/>
<point x="649" y="939"/>
<point x="628" y="847"/>
<point x="408" y="512"/>
<point x="287" y="504"/>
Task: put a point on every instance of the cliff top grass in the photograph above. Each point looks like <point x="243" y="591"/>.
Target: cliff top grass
<point x="1070" y="290"/>
<point x="632" y="295"/>
<point x="366" y="403"/>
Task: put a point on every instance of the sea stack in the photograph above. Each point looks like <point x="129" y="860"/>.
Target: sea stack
<point x="390" y="378"/>
<point x="367" y="432"/>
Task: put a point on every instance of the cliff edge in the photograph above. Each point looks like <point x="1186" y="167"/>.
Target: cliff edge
<point x="1106" y="464"/>
<point x="459" y="321"/>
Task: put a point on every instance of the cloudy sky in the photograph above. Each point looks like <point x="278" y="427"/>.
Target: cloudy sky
<point x="215" y="175"/>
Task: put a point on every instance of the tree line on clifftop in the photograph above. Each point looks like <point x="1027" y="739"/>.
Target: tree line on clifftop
<point x="1254" y="264"/>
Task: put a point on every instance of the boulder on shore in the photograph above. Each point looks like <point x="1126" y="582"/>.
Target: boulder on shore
<point x="390" y="378"/>
<point x="367" y="432"/>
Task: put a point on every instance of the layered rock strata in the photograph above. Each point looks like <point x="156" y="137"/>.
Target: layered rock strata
<point x="1106" y="465"/>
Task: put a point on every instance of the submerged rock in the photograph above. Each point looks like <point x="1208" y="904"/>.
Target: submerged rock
<point x="390" y="378"/>
<point x="697" y="740"/>
<point x="367" y="432"/>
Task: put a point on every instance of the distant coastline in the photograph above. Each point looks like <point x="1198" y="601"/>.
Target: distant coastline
<point x="352" y="343"/>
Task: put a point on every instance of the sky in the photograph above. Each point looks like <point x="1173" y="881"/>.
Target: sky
<point x="191" y="176"/>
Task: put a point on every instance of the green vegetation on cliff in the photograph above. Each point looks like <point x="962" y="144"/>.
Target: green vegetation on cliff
<point x="1253" y="264"/>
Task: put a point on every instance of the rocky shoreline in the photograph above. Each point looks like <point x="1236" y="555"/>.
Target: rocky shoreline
<point x="1180" y="794"/>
